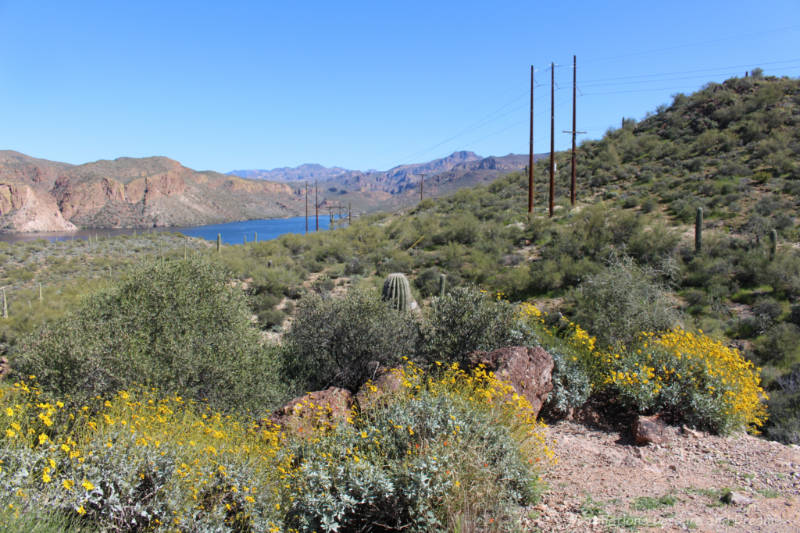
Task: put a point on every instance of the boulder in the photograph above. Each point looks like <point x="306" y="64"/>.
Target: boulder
<point x="386" y="382"/>
<point x="304" y="414"/>
<point x="649" y="430"/>
<point x="5" y="369"/>
<point x="736" y="498"/>
<point x="528" y="370"/>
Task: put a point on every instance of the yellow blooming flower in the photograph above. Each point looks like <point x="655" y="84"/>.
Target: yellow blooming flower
<point x="68" y="484"/>
<point x="88" y="485"/>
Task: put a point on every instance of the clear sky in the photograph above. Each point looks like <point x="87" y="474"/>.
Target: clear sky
<point x="235" y="85"/>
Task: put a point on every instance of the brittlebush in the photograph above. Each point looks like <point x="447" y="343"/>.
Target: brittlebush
<point x="694" y="377"/>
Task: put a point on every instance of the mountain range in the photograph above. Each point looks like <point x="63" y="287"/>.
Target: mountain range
<point x="457" y="170"/>
<point x="37" y="195"/>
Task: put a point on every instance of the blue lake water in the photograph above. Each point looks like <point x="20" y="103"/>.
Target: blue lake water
<point x="232" y="233"/>
<point x="264" y="229"/>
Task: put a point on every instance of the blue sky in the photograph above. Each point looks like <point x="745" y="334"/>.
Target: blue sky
<point x="235" y="85"/>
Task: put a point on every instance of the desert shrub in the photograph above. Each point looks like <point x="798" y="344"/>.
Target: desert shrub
<point x="428" y="282"/>
<point x="780" y="345"/>
<point x="338" y="341"/>
<point x="784" y="408"/>
<point x="621" y="301"/>
<point x="783" y="273"/>
<point x="573" y="361"/>
<point x="692" y="377"/>
<point x="176" y="325"/>
<point x="444" y="450"/>
<point x="464" y="320"/>
<point x="138" y="461"/>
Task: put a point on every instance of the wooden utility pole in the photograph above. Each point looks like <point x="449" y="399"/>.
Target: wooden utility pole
<point x="306" y="207"/>
<point x="574" y="89"/>
<point x="316" y="206"/>
<point x="530" y="157"/>
<point x="552" y="137"/>
<point x="574" y="131"/>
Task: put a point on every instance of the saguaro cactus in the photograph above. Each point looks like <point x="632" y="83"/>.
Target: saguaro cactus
<point x="442" y="285"/>
<point x="698" y="230"/>
<point x="219" y="242"/>
<point x="397" y="292"/>
<point x="773" y="244"/>
<point x="5" y="304"/>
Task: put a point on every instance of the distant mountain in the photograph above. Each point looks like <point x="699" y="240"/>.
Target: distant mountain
<point x="41" y="195"/>
<point x="384" y="189"/>
<point x="287" y="174"/>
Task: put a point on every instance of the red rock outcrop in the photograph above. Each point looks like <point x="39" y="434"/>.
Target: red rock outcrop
<point x="25" y="208"/>
<point x="529" y="370"/>
<point x="320" y="408"/>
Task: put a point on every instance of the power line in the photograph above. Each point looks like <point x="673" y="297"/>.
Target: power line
<point x="691" y="45"/>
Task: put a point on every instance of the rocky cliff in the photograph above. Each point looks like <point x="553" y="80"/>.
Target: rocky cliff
<point x="41" y="195"/>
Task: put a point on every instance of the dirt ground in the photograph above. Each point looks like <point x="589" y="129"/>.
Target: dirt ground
<point x="605" y="482"/>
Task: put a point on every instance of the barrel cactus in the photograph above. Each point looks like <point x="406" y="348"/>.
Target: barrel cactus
<point x="397" y="291"/>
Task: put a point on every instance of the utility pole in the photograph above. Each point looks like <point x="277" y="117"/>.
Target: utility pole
<point x="316" y="206"/>
<point x="552" y="136"/>
<point x="574" y="131"/>
<point x="306" y="208"/>
<point x="530" y="157"/>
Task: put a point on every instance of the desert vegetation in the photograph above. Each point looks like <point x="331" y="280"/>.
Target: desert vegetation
<point x="144" y="375"/>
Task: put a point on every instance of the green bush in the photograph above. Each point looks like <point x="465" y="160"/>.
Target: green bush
<point x="622" y="301"/>
<point x="338" y="341"/>
<point x="784" y="408"/>
<point x="464" y="320"/>
<point x="431" y="457"/>
<point x="691" y="377"/>
<point x="176" y="325"/>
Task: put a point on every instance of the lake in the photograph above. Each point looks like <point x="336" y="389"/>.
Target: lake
<point x="232" y="232"/>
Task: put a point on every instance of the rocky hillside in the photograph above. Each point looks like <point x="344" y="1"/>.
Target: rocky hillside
<point x="459" y="169"/>
<point x="41" y="195"/>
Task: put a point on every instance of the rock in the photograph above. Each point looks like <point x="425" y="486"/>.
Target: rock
<point x="649" y="430"/>
<point x="736" y="498"/>
<point x="386" y="383"/>
<point x="529" y="370"/>
<point x="5" y="369"/>
<point x="690" y="432"/>
<point x="305" y="413"/>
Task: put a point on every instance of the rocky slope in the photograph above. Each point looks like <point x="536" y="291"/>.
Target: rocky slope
<point x="459" y="169"/>
<point x="41" y="195"/>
